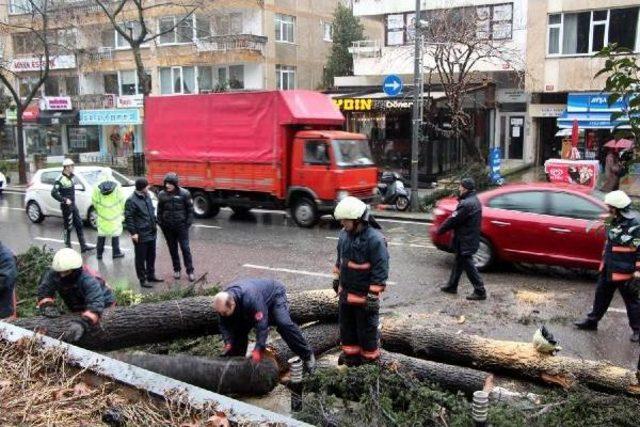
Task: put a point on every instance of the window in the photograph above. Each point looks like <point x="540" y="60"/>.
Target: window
<point x="236" y="76"/>
<point x="83" y="139"/>
<point x="286" y="77"/>
<point x="71" y="84"/>
<point x="285" y="25"/>
<point x="572" y="206"/>
<point x="182" y="80"/>
<point x="494" y="21"/>
<point x="316" y="153"/>
<point x="131" y="28"/>
<point x="128" y="83"/>
<point x="327" y="31"/>
<point x="524" y="201"/>
<point x="52" y="86"/>
<point x="25" y="43"/>
<point x="17" y="7"/>
<point x="588" y="32"/>
<point x="203" y="27"/>
<point x="107" y="38"/>
<point x="27" y="84"/>
<point x="49" y="177"/>
<point x="205" y="79"/>
<point x="227" y="24"/>
<point x="111" y="83"/>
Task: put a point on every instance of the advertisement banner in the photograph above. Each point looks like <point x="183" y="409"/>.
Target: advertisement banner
<point x="55" y="103"/>
<point x="59" y="62"/>
<point x="495" y="162"/>
<point x="581" y="172"/>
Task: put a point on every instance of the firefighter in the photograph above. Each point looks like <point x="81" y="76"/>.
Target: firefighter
<point x="620" y="266"/>
<point x="258" y="303"/>
<point x="81" y="291"/>
<point x="108" y="202"/>
<point x="64" y="191"/>
<point x="360" y="276"/>
<point x="8" y="277"/>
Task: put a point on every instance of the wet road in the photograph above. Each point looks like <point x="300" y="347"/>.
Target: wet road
<point x="269" y="244"/>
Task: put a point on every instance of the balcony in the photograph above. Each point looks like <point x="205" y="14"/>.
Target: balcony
<point x="232" y="42"/>
<point x="366" y="49"/>
<point x="97" y="54"/>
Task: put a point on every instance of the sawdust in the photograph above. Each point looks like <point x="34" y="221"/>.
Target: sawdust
<point x="531" y="297"/>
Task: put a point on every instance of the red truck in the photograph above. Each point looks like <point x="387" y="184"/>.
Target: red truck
<point x="268" y="150"/>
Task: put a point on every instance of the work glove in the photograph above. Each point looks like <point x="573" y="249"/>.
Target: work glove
<point x="50" y="310"/>
<point x="373" y="304"/>
<point x="256" y="355"/>
<point x="226" y="350"/>
<point x="75" y="331"/>
<point x="336" y="285"/>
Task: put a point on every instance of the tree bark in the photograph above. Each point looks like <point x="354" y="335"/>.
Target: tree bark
<point x="234" y="376"/>
<point x="515" y="358"/>
<point x="140" y="324"/>
<point x="321" y="338"/>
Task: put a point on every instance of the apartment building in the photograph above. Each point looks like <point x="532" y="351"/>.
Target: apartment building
<point x="499" y="104"/>
<point x="561" y="70"/>
<point x="92" y="102"/>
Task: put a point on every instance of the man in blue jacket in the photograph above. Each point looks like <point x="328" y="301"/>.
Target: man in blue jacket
<point x="258" y="303"/>
<point x="8" y="277"/>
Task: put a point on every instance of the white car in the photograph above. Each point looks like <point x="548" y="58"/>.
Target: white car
<point x="39" y="203"/>
<point x="3" y="182"/>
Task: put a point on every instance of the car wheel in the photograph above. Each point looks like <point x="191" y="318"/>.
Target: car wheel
<point x="402" y="203"/>
<point x="484" y="257"/>
<point x="304" y="212"/>
<point x="92" y="218"/>
<point x="34" y="212"/>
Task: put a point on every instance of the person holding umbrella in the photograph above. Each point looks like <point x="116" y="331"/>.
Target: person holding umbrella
<point x="613" y="168"/>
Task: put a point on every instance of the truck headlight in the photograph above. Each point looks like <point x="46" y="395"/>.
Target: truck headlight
<point x="342" y="194"/>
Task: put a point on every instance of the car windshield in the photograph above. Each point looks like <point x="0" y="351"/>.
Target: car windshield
<point x="352" y="152"/>
<point x="122" y="180"/>
<point x="93" y="177"/>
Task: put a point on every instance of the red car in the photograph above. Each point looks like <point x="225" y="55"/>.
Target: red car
<point x="539" y="223"/>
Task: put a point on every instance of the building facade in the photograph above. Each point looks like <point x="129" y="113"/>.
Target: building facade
<point x="561" y="70"/>
<point x="92" y="105"/>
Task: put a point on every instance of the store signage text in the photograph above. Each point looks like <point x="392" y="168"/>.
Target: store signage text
<point x="122" y="116"/>
<point x="55" y="103"/>
<point x="60" y="62"/>
<point x="368" y="104"/>
<point x="130" y="101"/>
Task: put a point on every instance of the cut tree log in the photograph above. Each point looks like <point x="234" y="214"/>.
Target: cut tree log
<point x="148" y="323"/>
<point x="321" y="337"/>
<point x="234" y="376"/>
<point x="515" y="358"/>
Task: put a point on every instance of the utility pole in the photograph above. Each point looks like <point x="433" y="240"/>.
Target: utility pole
<point x="417" y="120"/>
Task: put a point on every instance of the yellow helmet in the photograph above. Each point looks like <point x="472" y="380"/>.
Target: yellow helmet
<point x="350" y="208"/>
<point x="66" y="259"/>
<point x="617" y="199"/>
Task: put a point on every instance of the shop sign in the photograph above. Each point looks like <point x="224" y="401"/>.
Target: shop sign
<point x="546" y="110"/>
<point x="593" y="103"/>
<point x="368" y="104"/>
<point x="511" y="96"/>
<point x="130" y="101"/>
<point x="121" y="116"/>
<point x="11" y="114"/>
<point x="55" y="103"/>
<point x="59" y="62"/>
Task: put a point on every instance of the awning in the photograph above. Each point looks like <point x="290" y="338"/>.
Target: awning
<point x="591" y="121"/>
<point x="58" y="117"/>
<point x="592" y="111"/>
<point x="31" y="113"/>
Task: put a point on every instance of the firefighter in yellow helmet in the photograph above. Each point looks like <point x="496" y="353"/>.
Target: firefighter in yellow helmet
<point x="360" y="276"/>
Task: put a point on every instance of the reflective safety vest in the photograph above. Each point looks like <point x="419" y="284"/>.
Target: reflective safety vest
<point x="110" y="211"/>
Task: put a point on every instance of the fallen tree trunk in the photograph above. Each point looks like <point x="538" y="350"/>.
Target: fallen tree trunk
<point x="148" y="323"/>
<point x="515" y="358"/>
<point x="321" y="337"/>
<point x="235" y="376"/>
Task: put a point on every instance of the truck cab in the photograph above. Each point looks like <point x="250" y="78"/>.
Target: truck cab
<point x="326" y="166"/>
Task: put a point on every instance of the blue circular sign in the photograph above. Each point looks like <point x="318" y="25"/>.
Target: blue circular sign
<point x="392" y="85"/>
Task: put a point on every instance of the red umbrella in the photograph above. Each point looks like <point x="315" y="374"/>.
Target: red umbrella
<point x="621" y="144"/>
<point x="575" y="134"/>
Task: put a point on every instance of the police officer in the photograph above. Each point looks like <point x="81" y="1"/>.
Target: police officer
<point x="360" y="276"/>
<point x="175" y="216"/>
<point x="64" y="191"/>
<point x="108" y="201"/>
<point x="258" y="303"/>
<point x="620" y="266"/>
<point x="82" y="292"/>
<point x="8" y="277"/>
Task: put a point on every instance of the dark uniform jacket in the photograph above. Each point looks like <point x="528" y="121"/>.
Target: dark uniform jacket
<point x="363" y="264"/>
<point x="175" y="208"/>
<point x="140" y="217"/>
<point x="8" y="277"/>
<point x="621" y="256"/>
<point x="81" y="291"/>
<point x="64" y="188"/>
<point x="465" y="222"/>
<point x="254" y="298"/>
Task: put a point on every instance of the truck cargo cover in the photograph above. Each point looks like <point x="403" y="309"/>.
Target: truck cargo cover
<point x="230" y="127"/>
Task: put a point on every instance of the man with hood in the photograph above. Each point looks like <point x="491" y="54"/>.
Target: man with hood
<point x="465" y="222"/>
<point x="8" y="278"/>
<point x="82" y="292"/>
<point x="108" y="201"/>
<point x="360" y="275"/>
<point x="175" y="216"/>
<point x="620" y="265"/>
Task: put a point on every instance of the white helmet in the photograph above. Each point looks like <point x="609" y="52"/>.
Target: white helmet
<point x="67" y="162"/>
<point x="350" y="208"/>
<point x="66" y="259"/>
<point x="618" y="199"/>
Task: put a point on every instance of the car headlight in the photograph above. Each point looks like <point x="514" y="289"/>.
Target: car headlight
<point x="342" y="194"/>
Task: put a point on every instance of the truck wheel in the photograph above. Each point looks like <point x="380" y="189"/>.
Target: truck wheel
<point x="202" y="206"/>
<point x="304" y="212"/>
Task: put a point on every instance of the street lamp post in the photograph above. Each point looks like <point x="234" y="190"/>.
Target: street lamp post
<point x="417" y="120"/>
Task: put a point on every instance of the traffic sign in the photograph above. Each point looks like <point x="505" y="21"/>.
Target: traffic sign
<point x="392" y="85"/>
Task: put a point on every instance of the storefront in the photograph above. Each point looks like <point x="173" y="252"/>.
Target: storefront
<point x="118" y="130"/>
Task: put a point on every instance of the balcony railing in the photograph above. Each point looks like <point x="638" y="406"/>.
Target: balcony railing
<point x="96" y="54"/>
<point x="248" y="42"/>
<point x="366" y="49"/>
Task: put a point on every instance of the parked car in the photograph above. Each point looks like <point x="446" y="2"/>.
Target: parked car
<point x="3" y="182"/>
<point x="39" y="203"/>
<point x="540" y="223"/>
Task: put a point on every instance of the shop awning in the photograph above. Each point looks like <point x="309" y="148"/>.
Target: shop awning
<point x="592" y="111"/>
<point x="591" y="121"/>
<point x="58" y="117"/>
<point x="31" y="113"/>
